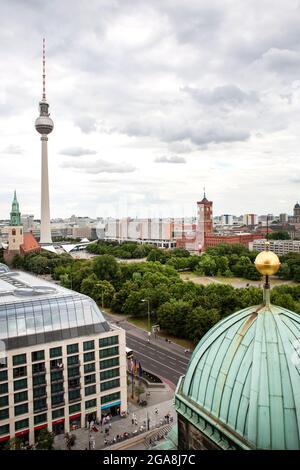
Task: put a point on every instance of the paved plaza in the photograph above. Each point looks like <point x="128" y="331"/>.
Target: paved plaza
<point x="160" y="404"/>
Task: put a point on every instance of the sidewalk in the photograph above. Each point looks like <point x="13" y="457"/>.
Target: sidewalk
<point x="162" y="400"/>
<point x="119" y="426"/>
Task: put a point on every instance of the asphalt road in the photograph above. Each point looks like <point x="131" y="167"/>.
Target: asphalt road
<point x="168" y="361"/>
<point x="162" y="362"/>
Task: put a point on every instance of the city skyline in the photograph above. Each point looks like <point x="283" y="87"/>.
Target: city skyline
<point x="148" y="109"/>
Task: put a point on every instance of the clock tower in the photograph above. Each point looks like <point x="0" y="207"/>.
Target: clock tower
<point x="204" y="222"/>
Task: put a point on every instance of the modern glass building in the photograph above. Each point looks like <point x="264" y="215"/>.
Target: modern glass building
<point x="61" y="365"/>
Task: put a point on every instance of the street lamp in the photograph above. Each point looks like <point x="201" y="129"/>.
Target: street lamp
<point x="102" y="292"/>
<point x="148" y="302"/>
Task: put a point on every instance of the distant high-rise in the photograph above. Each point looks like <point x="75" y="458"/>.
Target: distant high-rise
<point x="44" y="125"/>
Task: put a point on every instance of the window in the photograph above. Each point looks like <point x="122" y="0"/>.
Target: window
<point x="57" y="375"/>
<point x="37" y="356"/>
<point x="74" y="395"/>
<point x="3" y="401"/>
<point x="4" y="430"/>
<point x="3" y="363"/>
<point x="19" y="359"/>
<point x="21" y="409"/>
<point x="39" y="367"/>
<point x="109" y="374"/>
<point x="74" y="408"/>
<point x="89" y="356"/>
<point x="73" y="372"/>
<point x="90" y="404"/>
<point x="24" y="423"/>
<point x="13" y="232"/>
<point x="20" y="372"/>
<point x="39" y="380"/>
<point x="19" y="384"/>
<point x="4" y="414"/>
<point x="3" y="375"/>
<point x="4" y="388"/>
<point x="109" y="363"/>
<point x="111" y="397"/>
<point x="87" y="345"/>
<point x="73" y="360"/>
<point x="39" y="392"/>
<point x="58" y="413"/>
<point x="20" y="396"/>
<point x="56" y="364"/>
<point x="57" y="387"/>
<point x="39" y="404"/>
<point x="103" y="342"/>
<point x="40" y="418"/>
<point x="90" y="379"/>
<point x="57" y="399"/>
<point x="74" y="383"/>
<point x="114" y="351"/>
<point x="72" y="348"/>
<point x="56" y="352"/>
<point x="110" y="384"/>
<point x="89" y="367"/>
<point x="90" y="390"/>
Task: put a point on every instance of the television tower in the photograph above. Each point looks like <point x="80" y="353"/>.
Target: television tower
<point x="44" y="125"/>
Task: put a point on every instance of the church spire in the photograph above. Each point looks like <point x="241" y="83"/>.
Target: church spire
<point x="15" y="215"/>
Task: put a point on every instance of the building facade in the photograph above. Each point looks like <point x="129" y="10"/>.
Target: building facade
<point x="62" y="364"/>
<point x="280" y="247"/>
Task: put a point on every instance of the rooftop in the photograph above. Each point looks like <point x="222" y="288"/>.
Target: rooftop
<point x="34" y="311"/>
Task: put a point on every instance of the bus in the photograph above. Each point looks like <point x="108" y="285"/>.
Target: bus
<point x="129" y="353"/>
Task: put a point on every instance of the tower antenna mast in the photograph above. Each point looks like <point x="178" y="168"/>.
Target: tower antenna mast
<point x="44" y="71"/>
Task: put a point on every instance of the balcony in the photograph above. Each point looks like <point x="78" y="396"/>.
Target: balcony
<point x="78" y="398"/>
<point x="57" y="405"/>
<point x="38" y="372"/>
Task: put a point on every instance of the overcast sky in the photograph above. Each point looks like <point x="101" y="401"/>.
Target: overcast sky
<point x="151" y="101"/>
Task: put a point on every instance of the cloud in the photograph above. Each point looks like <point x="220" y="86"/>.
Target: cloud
<point x="140" y="80"/>
<point x="173" y="159"/>
<point x="77" y="151"/>
<point x="230" y="95"/>
<point x="86" y="124"/>
<point x="13" y="150"/>
<point x="282" y="61"/>
<point x="99" y="166"/>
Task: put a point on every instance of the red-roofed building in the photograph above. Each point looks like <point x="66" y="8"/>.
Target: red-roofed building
<point x="204" y="236"/>
<point x="29" y="245"/>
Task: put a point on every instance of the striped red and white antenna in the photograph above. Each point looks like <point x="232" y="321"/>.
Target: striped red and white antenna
<point x="44" y="70"/>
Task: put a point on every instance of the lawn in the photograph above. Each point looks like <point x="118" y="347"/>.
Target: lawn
<point x="143" y="323"/>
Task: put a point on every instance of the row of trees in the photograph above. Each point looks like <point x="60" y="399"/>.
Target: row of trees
<point x="124" y="250"/>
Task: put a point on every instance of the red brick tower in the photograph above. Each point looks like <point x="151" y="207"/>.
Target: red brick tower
<point x="204" y="222"/>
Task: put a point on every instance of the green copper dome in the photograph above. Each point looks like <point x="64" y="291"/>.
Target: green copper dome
<point x="242" y="386"/>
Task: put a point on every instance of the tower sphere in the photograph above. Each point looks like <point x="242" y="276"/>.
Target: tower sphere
<point x="267" y="263"/>
<point x="44" y="124"/>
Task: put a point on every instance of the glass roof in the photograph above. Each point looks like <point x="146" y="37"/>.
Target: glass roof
<point x="44" y="312"/>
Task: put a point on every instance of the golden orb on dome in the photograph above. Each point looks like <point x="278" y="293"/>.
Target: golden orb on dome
<point x="267" y="263"/>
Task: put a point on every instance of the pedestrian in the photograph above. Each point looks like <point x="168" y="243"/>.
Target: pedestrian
<point x="156" y="411"/>
<point x="109" y="425"/>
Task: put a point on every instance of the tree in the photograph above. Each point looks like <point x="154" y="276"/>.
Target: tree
<point x="13" y="444"/>
<point x="138" y="390"/>
<point x="45" y="440"/>
<point x="280" y="235"/>
<point x="207" y="265"/>
<point x="100" y="291"/>
<point x="172" y="317"/>
<point x="199" y="321"/>
<point x="106" y="267"/>
<point x="70" y="440"/>
<point x="39" y="265"/>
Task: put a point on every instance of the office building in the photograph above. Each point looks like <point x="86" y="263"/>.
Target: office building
<point x="62" y="363"/>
